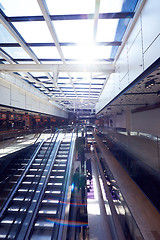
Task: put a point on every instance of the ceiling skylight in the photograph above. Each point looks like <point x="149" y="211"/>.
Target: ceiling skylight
<point x="66" y="34"/>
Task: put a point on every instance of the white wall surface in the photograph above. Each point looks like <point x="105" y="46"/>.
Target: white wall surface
<point x="147" y="122"/>
<point x="142" y="48"/>
<point x="17" y="93"/>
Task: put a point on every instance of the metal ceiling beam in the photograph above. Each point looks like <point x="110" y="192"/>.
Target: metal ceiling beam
<point x="20" y="41"/>
<point x="45" y="12"/>
<point x="82" y="100"/>
<point x="7" y="58"/>
<point x="46" y="15"/>
<point x="56" y="60"/>
<point x="52" y="44"/>
<point x="96" y="17"/>
<point x="115" y="15"/>
<point x="101" y="68"/>
<point x="16" y="36"/>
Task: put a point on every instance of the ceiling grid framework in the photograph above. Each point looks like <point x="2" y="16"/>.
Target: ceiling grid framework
<point x="68" y="52"/>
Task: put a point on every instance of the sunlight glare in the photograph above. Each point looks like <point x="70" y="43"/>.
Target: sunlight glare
<point x="86" y="52"/>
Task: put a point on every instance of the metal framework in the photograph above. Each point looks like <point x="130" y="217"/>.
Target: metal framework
<point x="65" y="80"/>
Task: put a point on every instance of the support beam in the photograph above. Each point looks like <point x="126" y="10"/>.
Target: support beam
<point x="46" y="15"/>
<point x="7" y="58"/>
<point x="20" y="41"/>
<point x="16" y="36"/>
<point x="113" y="15"/>
<point x="96" y="17"/>
<point x="100" y="68"/>
<point x="45" y="11"/>
<point x="62" y="44"/>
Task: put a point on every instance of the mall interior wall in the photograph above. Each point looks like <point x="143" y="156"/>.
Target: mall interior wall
<point x="140" y="50"/>
<point x="19" y="94"/>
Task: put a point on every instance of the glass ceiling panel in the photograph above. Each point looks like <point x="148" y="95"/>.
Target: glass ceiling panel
<point x="51" y="62"/>
<point x="106" y="30"/>
<point x="34" y="32"/>
<point x="78" y="31"/>
<point x="70" y="6"/>
<point x="77" y="75"/>
<point x="16" y="52"/>
<point x="5" y="36"/>
<point x="78" y="83"/>
<point x="21" y="7"/>
<point x="37" y="74"/>
<point x="87" y="53"/>
<point x="46" y="52"/>
<point x="26" y="62"/>
<point x="82" y="90"/>
<point x="63" y="81"/>
<point x="67" y="90"/>
<point x="100" y="81"/>
<point x="107" y="6"/>
<point x="63" y="74"/>
<point x="74" y="31"/>
<point x="67" y="85"/>
<point x="96" y="86"/>
<point x="81" y="86"/>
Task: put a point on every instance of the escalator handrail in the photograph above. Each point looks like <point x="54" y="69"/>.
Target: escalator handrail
<point x="25" y="231"/>
<point x="20" y="179"/>
<point x="60" y="227"/>
<point x="45" y="130"/>
<point x="6" y="203"/>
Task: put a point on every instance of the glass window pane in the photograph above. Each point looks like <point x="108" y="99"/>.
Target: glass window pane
<point x="107" y="6"/>
<point x="81" y="86"/>
<point x="26" y="62"/>
<point x="77" y="75"/>
<point x="87" y="53"/>
<point x="51" y="62"/>
<point x="70" y="6"/>
<point x="34" y="32"/>
<point x="5" y="36"/>
<point x="63" y="75"/>
<point x="62" y="82"/>
<point x="38" y="74"/>
<point x="74" y="31"/>
<point x="106" y="30"/>
<point x="96" y="86"/>
<point x="46" y="52"/>
<point x="21" y="7"/>
<point x="82" y="90"/>
<point x="16" y="52"/>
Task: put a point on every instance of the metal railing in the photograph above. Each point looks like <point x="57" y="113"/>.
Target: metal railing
<point x="44" y="131"/>
<point x="60" y="231"/>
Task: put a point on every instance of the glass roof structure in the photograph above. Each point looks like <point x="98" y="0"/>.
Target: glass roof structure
<point x="65" y="49"/>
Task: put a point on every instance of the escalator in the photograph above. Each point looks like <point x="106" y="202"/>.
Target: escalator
<point x="35" y="204"/>
<point x="10" y="172"/>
